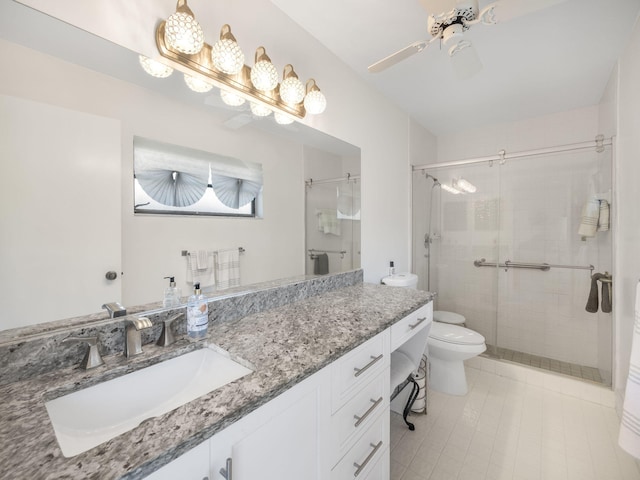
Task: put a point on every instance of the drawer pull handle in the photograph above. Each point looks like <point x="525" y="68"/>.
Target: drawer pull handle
<point x="360" y="371"/>
<point x="227" y="472"/>
<point x="367" y="413"/>
<point x="360" y="467"/>
<point x="420" y="320"/>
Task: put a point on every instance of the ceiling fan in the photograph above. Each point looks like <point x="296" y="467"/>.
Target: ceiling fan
<point x="456" y="18"/>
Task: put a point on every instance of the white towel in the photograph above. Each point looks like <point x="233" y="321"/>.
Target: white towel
<point x="603" y="217"/>
<point x="589" y="218"/>
<point x="206" y="275"/>
<point x="328" y="221"/>
<point x="629" y="438"/>
<point x="228" y="268"/>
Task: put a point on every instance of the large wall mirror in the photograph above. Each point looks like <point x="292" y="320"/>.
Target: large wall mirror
<point x="71" y="108"/>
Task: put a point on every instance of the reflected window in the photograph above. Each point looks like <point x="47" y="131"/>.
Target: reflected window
<point x="170" y="179"/>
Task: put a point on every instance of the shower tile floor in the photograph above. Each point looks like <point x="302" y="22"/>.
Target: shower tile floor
<point x="505" y="429"/>
<point x="574" y="370"/>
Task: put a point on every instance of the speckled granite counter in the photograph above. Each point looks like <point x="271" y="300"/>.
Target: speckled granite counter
<point x="285" y="345"/>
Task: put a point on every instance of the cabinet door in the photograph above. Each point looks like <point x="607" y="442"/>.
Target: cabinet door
<point x="193" y="465"/>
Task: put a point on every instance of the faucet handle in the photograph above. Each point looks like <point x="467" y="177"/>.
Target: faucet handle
<point x="140" y="323"/>
<point x="166" y="337"/>
<point x="115" y="309"/>
<point x="92" y="358"/>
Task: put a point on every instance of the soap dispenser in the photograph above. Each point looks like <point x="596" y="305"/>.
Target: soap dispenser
<point x="172" y="294"/>
<point x="197" y="314"/>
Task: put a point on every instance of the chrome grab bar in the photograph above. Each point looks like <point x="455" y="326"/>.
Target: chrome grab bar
<point x="534" y="266"/>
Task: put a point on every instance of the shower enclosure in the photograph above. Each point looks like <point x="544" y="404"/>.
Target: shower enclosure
<point x="505" y="252"/>
<point x="332" y="224"/>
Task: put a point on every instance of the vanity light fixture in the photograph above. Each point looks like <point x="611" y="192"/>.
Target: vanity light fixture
<point x="465" y="185"/>
<point x="180" y="39"/>
<point x="197" y="84"/>
<point x="154" y="67"/>
<point x="259" y="110"/>
<point x="282" y="118"/>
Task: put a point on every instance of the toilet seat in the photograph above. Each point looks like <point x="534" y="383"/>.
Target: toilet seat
<point x="448" y="317"/>
<point x="454" y="334"/>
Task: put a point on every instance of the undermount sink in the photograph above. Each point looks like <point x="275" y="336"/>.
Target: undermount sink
<point x="86" y="418"/>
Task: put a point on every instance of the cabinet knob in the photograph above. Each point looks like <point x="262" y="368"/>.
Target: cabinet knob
<point x="111" y="275"/>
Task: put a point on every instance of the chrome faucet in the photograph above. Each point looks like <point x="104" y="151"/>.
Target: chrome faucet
<point x="92" y="358"/>
<point x="115" y="309"/>
<point x="166" y="337"/>
<point x="132" y="339"/>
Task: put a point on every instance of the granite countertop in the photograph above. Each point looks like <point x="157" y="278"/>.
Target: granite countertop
<point x="284" y="345"/>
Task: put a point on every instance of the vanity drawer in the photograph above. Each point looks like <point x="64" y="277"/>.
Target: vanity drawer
<point x="367" y="453"/>
<point x="407" y="327"/>
<point x="355" y="369"/>
<point x="358" y="414"/>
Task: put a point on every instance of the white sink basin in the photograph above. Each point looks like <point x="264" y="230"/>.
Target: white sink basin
<point x="86" y="418"/>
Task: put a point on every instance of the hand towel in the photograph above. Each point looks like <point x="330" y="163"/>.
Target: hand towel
<point x="202" y="259"/>
<point x="321" y="264"/>
<point x="629" y="437"/>
<point x="603" y="216"/>
<point x="605" y="306"/>
<point x="205" y="276"/>
<point x="589" y="218"/>
<point x="328" y="221"/>
<point x="228" y="268"/>
<point x="592" y="301"/>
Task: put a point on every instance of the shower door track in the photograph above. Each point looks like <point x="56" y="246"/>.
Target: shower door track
<point x="598" y="144"/>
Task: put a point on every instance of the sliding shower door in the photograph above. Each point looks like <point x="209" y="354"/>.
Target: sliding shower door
<point x="332" y="226"/>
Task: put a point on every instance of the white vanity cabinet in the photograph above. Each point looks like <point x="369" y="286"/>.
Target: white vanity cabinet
<point x="193" y="465"/>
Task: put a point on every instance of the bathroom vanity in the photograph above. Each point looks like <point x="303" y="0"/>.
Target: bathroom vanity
<point x="315" y="405"/>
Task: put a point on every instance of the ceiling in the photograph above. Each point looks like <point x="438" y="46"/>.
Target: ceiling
<point x="556" y="59"/>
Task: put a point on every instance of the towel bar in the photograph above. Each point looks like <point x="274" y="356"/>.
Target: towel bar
<point x="186" y="252"/>
<point x="534" y="266"/>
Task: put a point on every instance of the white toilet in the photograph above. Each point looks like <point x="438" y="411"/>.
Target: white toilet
<point x="449" y="317"/>
<point x="449" y="346"/>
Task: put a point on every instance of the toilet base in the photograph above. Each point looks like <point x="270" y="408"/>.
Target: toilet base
<point x="447" y="376"/>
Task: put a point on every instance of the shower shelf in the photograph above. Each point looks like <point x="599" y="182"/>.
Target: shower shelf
<point x="533" y="266"/>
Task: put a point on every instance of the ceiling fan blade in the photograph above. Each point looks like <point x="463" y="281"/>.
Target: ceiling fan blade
<point x="397" y="57"/>
<point x="465" y="60"/>
<point x="506" y="10"/>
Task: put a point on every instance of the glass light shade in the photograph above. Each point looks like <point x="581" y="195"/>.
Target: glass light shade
<point x="183" y="33"/>
<point x="155" y="68"/>
<point x="450" y="189"/>
<point x="282" y="119"/>
<point x="264" y="76"/>
<point x="231" y="98"/>
<point x="291" y="91"/>
<point x="466" y="185"/>
<point x="314" y="102"/>
<point x="259" y="110"/>
<point x="227" y="56"/>
<point x="197" y="84"/>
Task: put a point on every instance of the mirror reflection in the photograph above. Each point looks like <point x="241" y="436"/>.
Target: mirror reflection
<point x="68" y="148"/>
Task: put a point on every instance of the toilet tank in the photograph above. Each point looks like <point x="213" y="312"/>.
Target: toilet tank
<point x="408" y="280"/>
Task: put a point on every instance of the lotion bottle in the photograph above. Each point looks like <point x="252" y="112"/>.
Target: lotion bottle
<point x="197" y="314"/>
<point x="172" y="294"/>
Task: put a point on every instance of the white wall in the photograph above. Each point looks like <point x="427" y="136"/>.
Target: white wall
<point x="627" y="258"/>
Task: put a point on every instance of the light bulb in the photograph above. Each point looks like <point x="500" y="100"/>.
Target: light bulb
<point x="197" y="84"/>
<point x="259" y="110"/>
<point x="182" y="32"/>
<point x="264" y="75"/>
<point x="155" y="68"/>
<point x="314" y="102"/>
<point x="231" y="98"/>
<point x="282" y="119"/>
<point x="291" y="88"/>
<point x="226" y="54"/>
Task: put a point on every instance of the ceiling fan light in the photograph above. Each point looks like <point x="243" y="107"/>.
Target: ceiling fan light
<point x="231" y="99"/>
<point x="264" y="75"/>
<point x="197" y="84"/>
<point x="259" y="110"/>
<point x="226" y="53"/>
<point x="291" y="89"/>
<point x="155" y="68"/>
<point x="182" y="32"/>
<point x="314" y="101"/>
<point x="282" y="118"/>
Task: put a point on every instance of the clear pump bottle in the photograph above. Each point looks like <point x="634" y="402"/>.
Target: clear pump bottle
<point x="172" y="294"/>
<point x="197" y="314"/>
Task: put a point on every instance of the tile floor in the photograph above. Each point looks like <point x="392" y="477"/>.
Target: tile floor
<point x="566" y="368"/>
<point x="507" y="429"/>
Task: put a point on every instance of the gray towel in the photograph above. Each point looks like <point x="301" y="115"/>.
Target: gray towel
<point x="605" y="306"/>
<point x="321" y="264"/>
<point x="592" y="301"/>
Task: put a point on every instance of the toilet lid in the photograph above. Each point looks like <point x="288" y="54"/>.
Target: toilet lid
<point x="455" y="334"/>
<point x="448" y="317"/>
